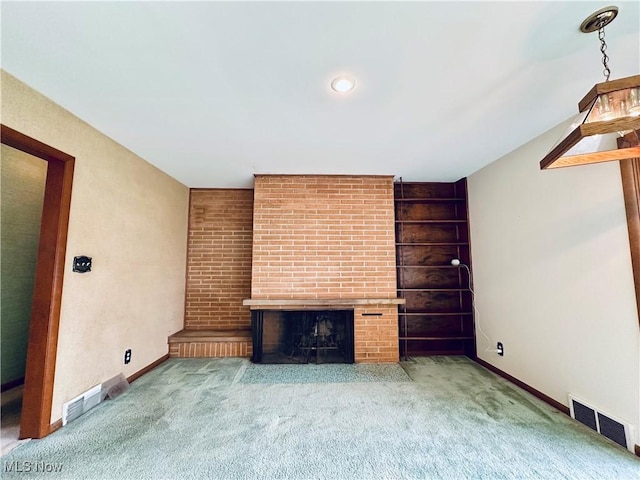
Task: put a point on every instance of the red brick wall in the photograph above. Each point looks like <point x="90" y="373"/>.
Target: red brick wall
<point x="318" y="236"/>
<point x="376" y="334"/>
<point x="329" y="237"/>
<point x="314" y="237"/>
<point x="219" y="259"/>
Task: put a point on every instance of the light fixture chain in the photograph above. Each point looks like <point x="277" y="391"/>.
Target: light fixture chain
<point x="603" y="49"/>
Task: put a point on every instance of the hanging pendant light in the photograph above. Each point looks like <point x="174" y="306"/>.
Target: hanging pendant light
<point x="608" y="125"/>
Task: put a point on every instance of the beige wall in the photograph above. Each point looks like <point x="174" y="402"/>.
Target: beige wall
<point x="553" y="278"/>
<point x="132" y="219"/>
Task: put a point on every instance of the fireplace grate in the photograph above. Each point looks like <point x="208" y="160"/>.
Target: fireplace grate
<point x="303" y="336"/>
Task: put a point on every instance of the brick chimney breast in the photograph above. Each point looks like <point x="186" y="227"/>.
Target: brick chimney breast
<point x="329" y="237"/>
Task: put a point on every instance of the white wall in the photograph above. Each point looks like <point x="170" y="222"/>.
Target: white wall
<point x="553" y="278"/>
<point x="132" y="219"/>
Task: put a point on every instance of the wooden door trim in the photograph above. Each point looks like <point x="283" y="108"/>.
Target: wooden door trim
<point x="45" y="312"/>
<point x="630" y="172"/>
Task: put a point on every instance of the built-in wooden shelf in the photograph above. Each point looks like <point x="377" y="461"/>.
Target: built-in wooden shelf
<point x="431" y="230"/>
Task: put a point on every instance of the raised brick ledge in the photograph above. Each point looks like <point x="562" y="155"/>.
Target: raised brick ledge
<point x="210" y="343"/>
<point x="200" y="336"/>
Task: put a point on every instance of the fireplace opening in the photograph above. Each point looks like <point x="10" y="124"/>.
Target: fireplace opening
<point x="302" y="336"/>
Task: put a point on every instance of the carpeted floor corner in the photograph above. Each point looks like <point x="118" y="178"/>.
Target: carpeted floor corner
<point x="446" y="417"/>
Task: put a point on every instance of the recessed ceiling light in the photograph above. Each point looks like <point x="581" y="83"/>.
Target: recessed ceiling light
<point x="343" y="84"/>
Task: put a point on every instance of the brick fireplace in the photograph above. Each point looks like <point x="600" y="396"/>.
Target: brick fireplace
<point x="323" y="242"/>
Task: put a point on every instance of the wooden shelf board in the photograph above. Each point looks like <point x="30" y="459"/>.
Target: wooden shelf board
<point x="429" y="200"/>
<point x="427" y="266"/>
<point x="430" y="221"/>
<point x="426" y="244"/>
<point x="429" y="339"/>
<point x="433" y="289"/>
<point x="433" y="314"/>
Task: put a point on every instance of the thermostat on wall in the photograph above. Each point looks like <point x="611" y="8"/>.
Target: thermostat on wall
<point x="82" y="264"/>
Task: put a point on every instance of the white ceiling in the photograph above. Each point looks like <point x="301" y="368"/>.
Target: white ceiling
<point x="213" y="92"/>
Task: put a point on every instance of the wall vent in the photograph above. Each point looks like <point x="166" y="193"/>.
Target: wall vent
<point x="601" y="422"/>
<point x="81" y="404"/>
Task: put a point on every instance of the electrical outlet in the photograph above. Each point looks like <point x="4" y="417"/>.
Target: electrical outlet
<point x="500" y="349"/>
<point x="127" y="356"/>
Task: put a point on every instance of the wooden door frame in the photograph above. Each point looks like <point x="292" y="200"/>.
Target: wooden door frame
<point x="35" y="421"/>
<point x="630" y="172"/>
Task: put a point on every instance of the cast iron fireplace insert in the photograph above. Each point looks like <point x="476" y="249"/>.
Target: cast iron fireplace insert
<point x="302" y="336"/>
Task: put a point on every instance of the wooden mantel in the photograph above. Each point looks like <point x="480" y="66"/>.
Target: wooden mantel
<point x="314" y="303"/>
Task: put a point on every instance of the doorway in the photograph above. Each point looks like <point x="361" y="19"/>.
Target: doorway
<point x="23" y="181"/>
<point x="35" y="420"/>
